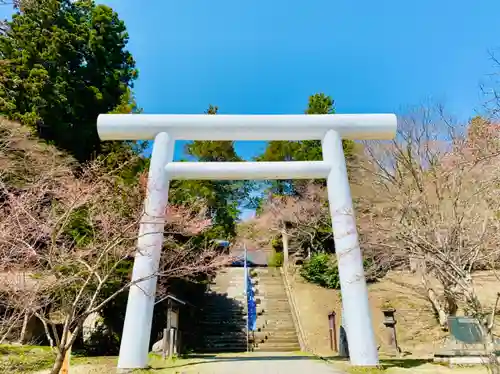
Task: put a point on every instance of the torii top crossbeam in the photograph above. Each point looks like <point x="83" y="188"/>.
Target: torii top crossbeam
<point x="245" y="127"/>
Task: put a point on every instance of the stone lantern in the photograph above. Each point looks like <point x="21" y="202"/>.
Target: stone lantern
<point x="390" y="327"/>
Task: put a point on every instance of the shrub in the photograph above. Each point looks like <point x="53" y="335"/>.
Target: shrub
<point x="276" y="259"/>
<point x="322" y="270"/>
<point x="277" y="244"/>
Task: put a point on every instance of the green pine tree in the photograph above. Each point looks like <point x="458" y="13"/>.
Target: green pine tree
<point x="62" y="63"/>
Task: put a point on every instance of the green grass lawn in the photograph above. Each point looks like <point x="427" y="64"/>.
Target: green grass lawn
<point x="409" y="365"/>
<point x="24" y="359"/>
<point x="31" y="359"/>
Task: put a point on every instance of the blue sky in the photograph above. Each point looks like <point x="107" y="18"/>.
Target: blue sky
<point x="267" y="56"/>
<point x="264" y="56"/>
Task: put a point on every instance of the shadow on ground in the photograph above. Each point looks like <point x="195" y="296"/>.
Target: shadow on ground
<point x="405" y="363"/>
<point x="211" y="359"/>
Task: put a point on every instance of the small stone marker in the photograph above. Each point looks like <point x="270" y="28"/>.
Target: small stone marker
<point x="343" y="345"/>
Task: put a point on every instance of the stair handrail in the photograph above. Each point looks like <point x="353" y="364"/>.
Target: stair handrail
<point x="295" y="312"/>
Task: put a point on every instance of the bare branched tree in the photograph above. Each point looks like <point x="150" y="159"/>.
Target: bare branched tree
<point x="306" y="220"/>
<point x="69" y="239"/>
<point x="491" y="89"/>
<point x="302" y="217"/>
<point x="436" y="202"/>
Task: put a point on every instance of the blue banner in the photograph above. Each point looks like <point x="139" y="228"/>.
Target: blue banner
<point x="251" y="306"/>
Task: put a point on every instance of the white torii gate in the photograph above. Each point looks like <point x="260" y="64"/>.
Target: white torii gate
<point x="166" y="129"/>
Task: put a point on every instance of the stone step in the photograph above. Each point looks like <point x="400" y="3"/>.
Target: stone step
<point x="270" y="286"/>
<point x="285" y="309"/>
<point x="213" y="324"/>
<point x="278" y="331"/>
<point x="274" y="327"/>
<point x="266" y="335"/>
<point x="281" y="332"/>
<point x="269" y="325"/>
<point x="222" y="349"/>
<point x="219" y="323"/>
<point x="221" y="327"/>
<point x="283" y="343"/>
<point x="279" y="348"/>
<point x="277" y="320"/>
<point x="223" y="307"/>
<point x="284" y="339"/>
<point x="228" y="318"/>
<point x="285" y="326"/>
<point x="234" y="335"/>
<point x="225" y="341"/>
<point x="279" y="341"/>
<point x="222" y="312"/>
<point x="273" y="297"/>
<point x="219" y="332"/>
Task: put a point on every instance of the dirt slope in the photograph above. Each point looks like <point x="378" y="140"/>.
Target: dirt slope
<point x="418" y="332"/>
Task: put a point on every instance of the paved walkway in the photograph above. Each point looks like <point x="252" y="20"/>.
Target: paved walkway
<point x="269" y="363"/>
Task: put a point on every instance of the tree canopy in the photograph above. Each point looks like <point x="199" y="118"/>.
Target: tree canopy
<point x="222" y="197"/>
<point x="305" y="150"/>
<point x="62" y="64"/>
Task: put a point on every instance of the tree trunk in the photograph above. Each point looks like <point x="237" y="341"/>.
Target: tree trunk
<point x="22" y="336"/>
<point x="433" y="298"/>
<point x="438" y="308"/>
<point x="46" y="329"/>
<point x="451" y="305"/>
<point x="56" y="368"/>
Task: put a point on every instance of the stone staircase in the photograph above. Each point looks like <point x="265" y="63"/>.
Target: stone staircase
<point x="222" y="322"/>
<point x="277" y="329"/>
